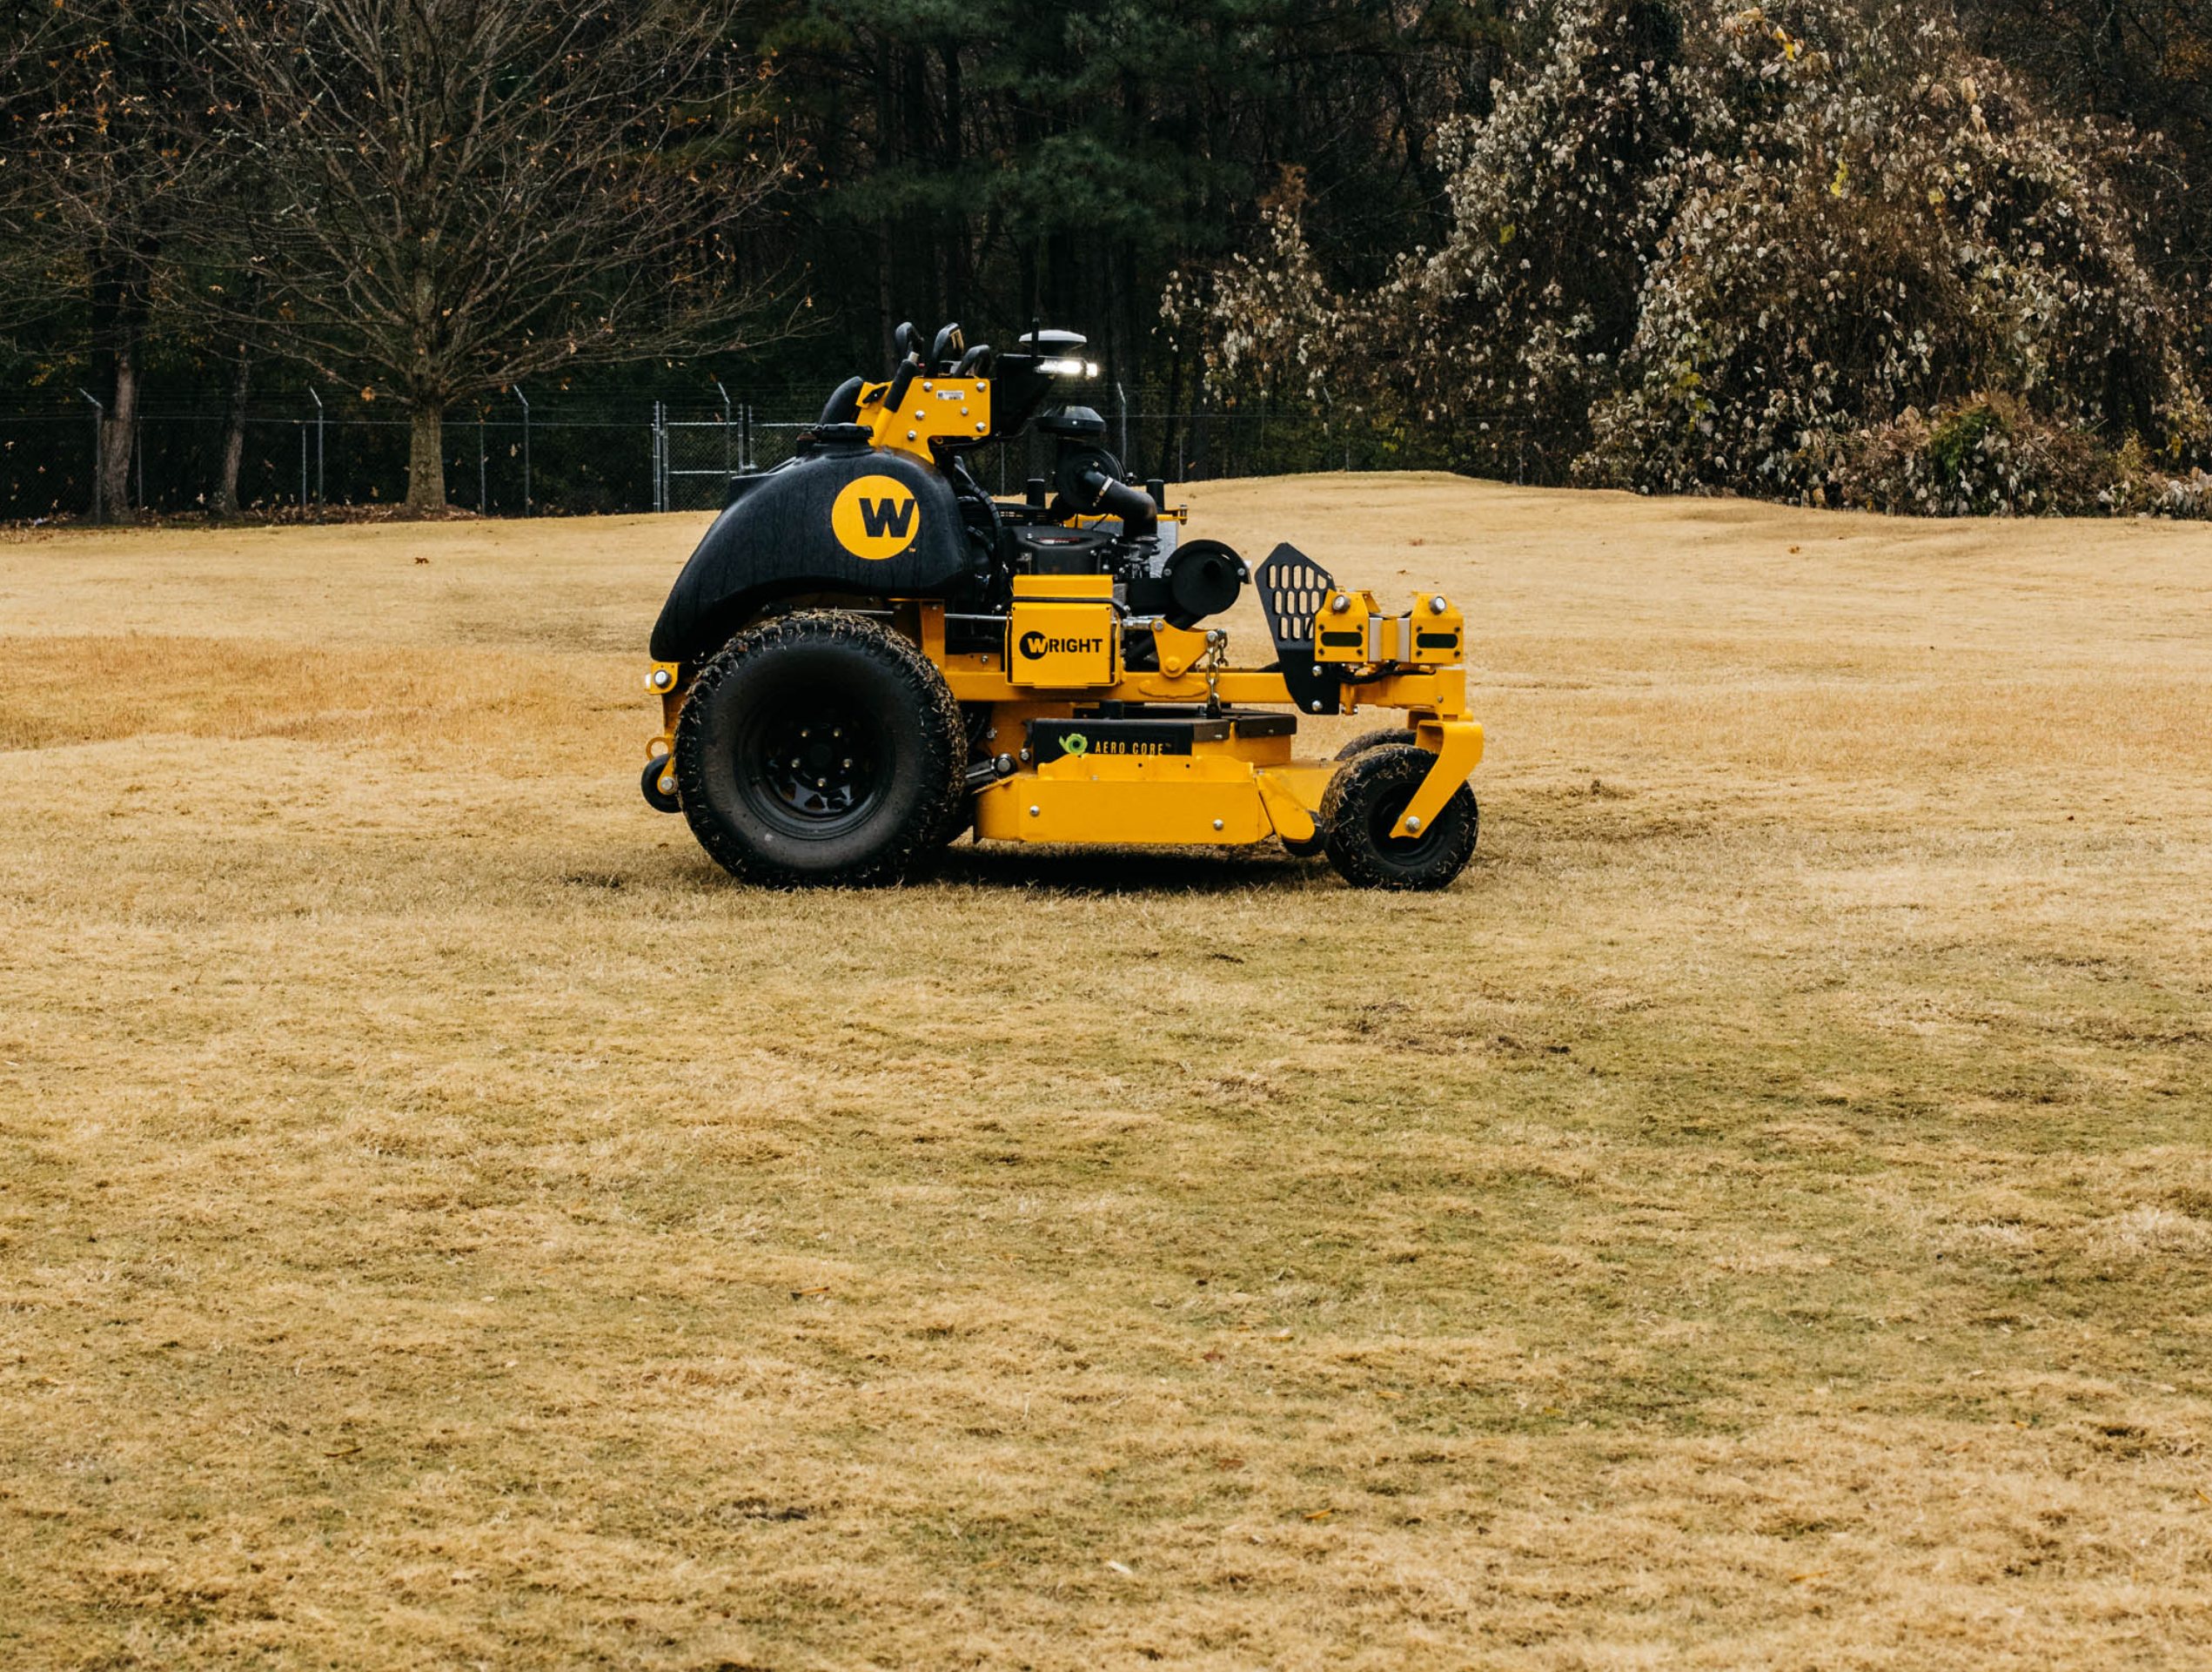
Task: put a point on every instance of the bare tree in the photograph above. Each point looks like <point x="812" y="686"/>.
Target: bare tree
<point x="452" y="195"/>
<point x="99" y="162"/>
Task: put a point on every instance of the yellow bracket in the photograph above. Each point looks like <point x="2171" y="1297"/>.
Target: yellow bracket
<point x="933" y="409"/>
<point x="1340" y="626"/>
<point x="1179" y="648"/>
<point x="1457" y="746"/>
<point x="1292" y="795"/>
<point x="666" y="681"/>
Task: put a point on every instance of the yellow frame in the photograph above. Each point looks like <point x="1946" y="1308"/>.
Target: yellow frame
<point x="1233" y="791"/>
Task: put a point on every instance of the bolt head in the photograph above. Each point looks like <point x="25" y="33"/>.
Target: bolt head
<point x="1033" y="811"/>
<point x="910" y="435"/>
<point x="1412" y="827"/>
<point x="1004" y="763"/>
<point x="1216" y="824"/>
<point x="1438" y="605"/>
<point x="926" y="387"/>
<point x="980" y="426"/>
<point x="662" y="679"/>
<point x="1317" y="705"/>
<point x="1340" y="603"/>
<point x="666" y="784"/>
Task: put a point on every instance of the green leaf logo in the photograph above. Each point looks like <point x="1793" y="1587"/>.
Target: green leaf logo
<point x="1074" y="743"/>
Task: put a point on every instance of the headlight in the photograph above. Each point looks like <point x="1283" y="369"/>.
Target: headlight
<point x="1068" y="368"/>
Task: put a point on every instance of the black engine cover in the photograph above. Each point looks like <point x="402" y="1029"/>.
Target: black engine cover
<point x="846" y="518"/>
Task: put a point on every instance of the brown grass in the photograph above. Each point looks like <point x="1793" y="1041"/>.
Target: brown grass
<point x="1760" y="1218"/>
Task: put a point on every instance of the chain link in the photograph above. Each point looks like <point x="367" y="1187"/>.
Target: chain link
<point x="1217" y="657"/>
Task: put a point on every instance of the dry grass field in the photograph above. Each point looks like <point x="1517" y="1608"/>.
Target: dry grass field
<point x="1761" y="1217"/>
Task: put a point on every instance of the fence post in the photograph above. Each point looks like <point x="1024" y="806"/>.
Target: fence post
<point x="1121" y="399"/>
<point x="725" y="394"/>
<point x="99" y="441"/>
<point x="302" y="466"/>
<point x="525" y="400"/>
<point x="659" y="460"/>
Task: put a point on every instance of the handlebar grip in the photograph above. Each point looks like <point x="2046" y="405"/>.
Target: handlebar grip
<point x="902" y="380"/>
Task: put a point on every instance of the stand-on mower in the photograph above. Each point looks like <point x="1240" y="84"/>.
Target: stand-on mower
<point x="868" y="656"/>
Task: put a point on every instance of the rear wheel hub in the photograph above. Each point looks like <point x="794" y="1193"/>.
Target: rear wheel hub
<point x="814" y="772"/>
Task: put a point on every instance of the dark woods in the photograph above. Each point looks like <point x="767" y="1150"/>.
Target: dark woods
<point x="1500" y="239"/>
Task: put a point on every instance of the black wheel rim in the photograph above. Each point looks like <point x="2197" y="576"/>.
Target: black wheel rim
<point x="1382" y="818"/>
<point x="815" y="771"/>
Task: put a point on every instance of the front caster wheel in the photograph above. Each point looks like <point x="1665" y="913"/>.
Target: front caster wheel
<point x="1362" y="807"/>
<point x="1318" y="842"/>
<point x="659" y="783"/>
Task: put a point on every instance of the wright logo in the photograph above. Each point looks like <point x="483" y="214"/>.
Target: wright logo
<point x="876" y="517"/>
<point x="1037" y="646"/>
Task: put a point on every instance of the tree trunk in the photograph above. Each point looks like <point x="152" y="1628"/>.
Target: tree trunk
<point x="427" y="458"/>
<point x="225" y="502"/>
<point x="122" y="424"/>
<point x="119" y="305"/>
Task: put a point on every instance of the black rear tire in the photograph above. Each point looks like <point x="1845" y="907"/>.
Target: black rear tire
<point x="959" y="814"/>
<point x="1365" y="801"/>
<point x="819" y="747"/>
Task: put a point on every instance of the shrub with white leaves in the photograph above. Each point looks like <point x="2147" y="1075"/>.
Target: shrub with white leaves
<point x="1821" y="253"/>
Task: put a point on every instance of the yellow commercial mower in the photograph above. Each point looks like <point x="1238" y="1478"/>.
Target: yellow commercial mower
<point x="868" y="656"/>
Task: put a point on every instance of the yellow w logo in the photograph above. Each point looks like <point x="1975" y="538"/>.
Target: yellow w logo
<point x="882" y="517"/>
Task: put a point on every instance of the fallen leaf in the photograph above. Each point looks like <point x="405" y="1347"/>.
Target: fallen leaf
<point x="1126" y="1573"/>
<point x="1321" y="1514"/>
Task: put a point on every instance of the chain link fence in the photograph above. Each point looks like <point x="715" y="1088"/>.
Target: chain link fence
<point x="559" y="454"/>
